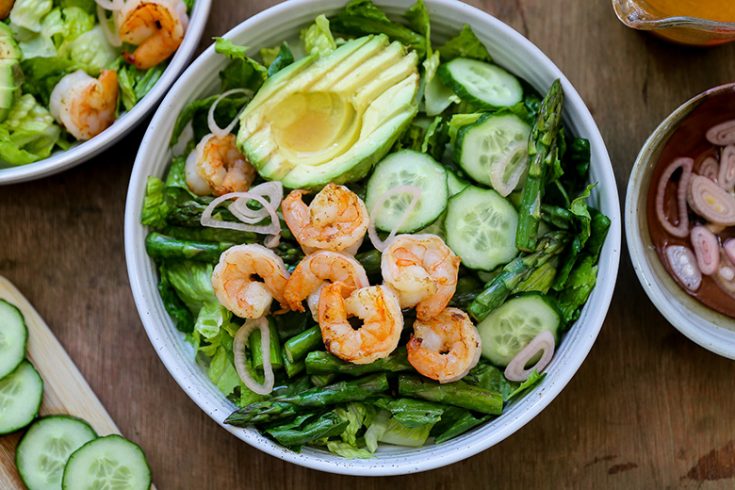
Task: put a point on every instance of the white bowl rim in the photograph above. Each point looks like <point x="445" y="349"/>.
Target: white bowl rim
<point x="65" y="159"/>
<point x="451" y="451"/>
<point x="698" y="329"/>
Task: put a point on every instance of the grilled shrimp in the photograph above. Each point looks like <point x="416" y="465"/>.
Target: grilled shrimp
<point x="423" y="271"/>
<point x="382" y="322"/>
<point x="445" y="347"/>
<point x="248" y="278"/>
<point x="85" y="106"/>
<point x="5" y="7"/>
<point x="156" y="27"/>
<point x="318" y="269"/>
<point x="216" y="167"/>
<point x="336" y="219"/>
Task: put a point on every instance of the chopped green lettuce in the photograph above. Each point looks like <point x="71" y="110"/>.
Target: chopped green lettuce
<point x="465" y="45"/>
<point x="243" y="71"/>
<point x="419" y="20"/>
<point x="317" y="38"/>
<point x="221" y="370"/>
<point x="177" y="310"/>
<point x="196" y="113"/>
<point x="487" y="376"/>
<point x="283" y="58"/>
<point x="135" y="83"/>
<point x="348" y="450"/>
<point x="193" y="283"/>
<point x="28" y="14"/>
<point x="91" y="51"/>
<point x="411" y="413"/>
<point x="437" y="96"/>
<point x="454" y="422"/>
<point x="28" y="134"/>
<point x="154" y="205"/>
<point x="533" y="379"/>
<point x="389" y="430"/>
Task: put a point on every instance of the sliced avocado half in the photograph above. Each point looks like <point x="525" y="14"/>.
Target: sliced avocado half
<point x="331" y="119"/>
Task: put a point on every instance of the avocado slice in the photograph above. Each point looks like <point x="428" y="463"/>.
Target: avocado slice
<point x="10" y="72"/>
<point x="330" y="119"/>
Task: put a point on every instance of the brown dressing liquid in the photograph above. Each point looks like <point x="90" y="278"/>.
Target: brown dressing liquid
<point x="689" y="141"/>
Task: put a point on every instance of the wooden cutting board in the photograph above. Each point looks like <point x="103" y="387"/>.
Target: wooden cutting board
<point x="65" y="390"/>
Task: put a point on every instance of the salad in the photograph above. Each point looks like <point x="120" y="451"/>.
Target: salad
<point x="69" y="68"/>
<point x="378" y="240"/>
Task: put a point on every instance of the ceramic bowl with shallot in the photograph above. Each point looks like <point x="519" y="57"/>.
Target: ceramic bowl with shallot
<point x="680" y="224"/>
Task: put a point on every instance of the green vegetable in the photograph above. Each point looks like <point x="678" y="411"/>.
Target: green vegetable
<point x="370" y="261"/>
<point x="28" y="14"/>
<point x="487" y="376"/>
<point x="291" y="323"/>
<point x="542" y="151"/>
<point x="387" y="429"/>
<point x="91" y="52"/>
<point x="320" y="362"/>
<point x="164" y="247"/>
<point x="193" y="283"/>
<point x="411" y="413"/>
<point x="437" y="96"/>
<point x="419" y="20"/>
<point x="281" y="61"/>
<point x="175" y="307"/>
<point x="322" y="379"/>
<point x="454" y="422"/>
<point x="356" y="414"/>
<point x="329" y="424"/>
<point x="465" y="45"/>
<point x="317" y="38"/>
<point x="28" y="134"/>
<point x="288" y="406"/>
<point x="243" y="71"/>
<point x="135" y="83"/>
<point x="221" y="370"/>
<point x="360" y="17"/>
<point x="256" y="351"/>
<point x="292" y="368"/>
<point x="533" y="379"/>
<point x="458" y="394"/>
<point x="498" y="290"/>
<point x="196" y="113"/>
<point x="297" y="347"/>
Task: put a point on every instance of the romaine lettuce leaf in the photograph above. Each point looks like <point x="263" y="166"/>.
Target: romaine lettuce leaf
<point x="465" y="45"/>
<point x="28" y="14"/>
<point x="437" y="96"/>
<point x="135" y="83"/>
<point x="91" y="51"/>
<point x="419" y="20"/>
<point x="283" y="58"/>
<point x="193" y="283"/>
<point x="28" y="134"/>
<point x="243" y="71"/>
<point x="317" y="38"/>
<point x="177" y="310"/>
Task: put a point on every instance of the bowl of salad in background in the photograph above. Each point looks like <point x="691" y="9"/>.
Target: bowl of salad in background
<point x="524" y="303"/>
<point x="78" y="76"/>
<point x="680" y="211"/>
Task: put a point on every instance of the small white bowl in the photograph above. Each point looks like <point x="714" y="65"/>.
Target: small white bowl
<point x="706" y="327"/>
<point x="80" y="153"/>
<point x="269" y="28"/>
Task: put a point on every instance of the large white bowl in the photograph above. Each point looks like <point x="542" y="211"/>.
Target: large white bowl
<point x="511" y="50"/>
<point x="62" y="160"/>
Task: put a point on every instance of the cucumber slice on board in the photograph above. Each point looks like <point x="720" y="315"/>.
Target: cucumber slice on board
<point x="407" y="167"/>
<point x="481" y="228"/>
<point x="110" y="462"/>
<point x="513" y="325"/>
<point x="13" y="338"/>
<point x="46" y="447"/>
<point x="483" y="85"/>
<point x="21" y="393"/>
<point x="494" y="151"/>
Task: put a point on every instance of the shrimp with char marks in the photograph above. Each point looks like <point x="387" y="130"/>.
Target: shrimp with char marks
<point x="336" y="219"/>
<point x="248" y="278"/>
<point x="382" y="322"/>
<point x="156" y="27"/>
<point x="84" y="105"/>
<point x="316" y="270"/>
<point x="446" y="347"/>
<point x="423" y="271"/>
<point x="216" y="167"/>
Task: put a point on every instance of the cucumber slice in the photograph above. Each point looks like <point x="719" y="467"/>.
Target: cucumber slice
<point x="13" y="338"/>
<point x="21" y="393"/>
<point x="484" y="85"/>
<point x="407" y="167"/>
<point x="511" y="327"/>
<point x="481" y="228"/>
<point x="494" y="151"/>
<point x="455" y="184"/>
<point x="46" y="447"/>
<point x="107" y="462"/>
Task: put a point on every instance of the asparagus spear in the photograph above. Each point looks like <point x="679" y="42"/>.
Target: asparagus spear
<point x="256" y="351"/>
<point x="322" y="379"/>
<point x="370" y="260"/>
<point x="297" y="347"/>
<point x="551" y="245"/>
<point x="458" y="394"/>
<point x="288" y="406"/>
<point x="320" y="362"/>
<point x="165" y="247"/>
<point x="329" y="424"/>
<point x="542" y="152"/>
<point x="292" y="368"/>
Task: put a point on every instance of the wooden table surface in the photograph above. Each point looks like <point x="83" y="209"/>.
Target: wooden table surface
<point x="648" y="409"/>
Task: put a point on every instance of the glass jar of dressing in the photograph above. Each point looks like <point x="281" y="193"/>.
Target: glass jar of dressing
<point x="696" y="22"/>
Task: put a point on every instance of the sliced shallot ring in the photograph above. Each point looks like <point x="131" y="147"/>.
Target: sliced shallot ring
<point x="238" y="348"/>
<point x="684" y="265"/>
<point x="271" y="190"/>
<point x="726" y="175"/>
<point x="112" y="5"/>
<point x="213" y="127"/>
<point x="111" y="36"/>
<point x="709" y="168"/>
<point x="722" y="134"/>
<point x="711" y="201"/>
<point x="401" y="189"/>
<point x="725" y="277"/>
<point x="543" y="342"/>
<point x="274" y="228"/>
<point x="729" y="249"/>
<point x="682" y="228"/>
<point x="497" y="171"/>
<point x="706" y="249"/>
